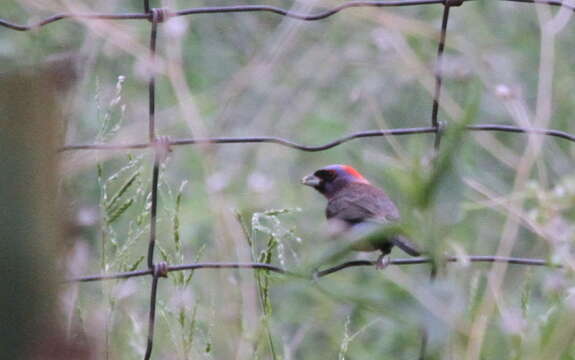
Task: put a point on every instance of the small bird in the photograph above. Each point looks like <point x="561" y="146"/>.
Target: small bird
<point x="352" y="203"/>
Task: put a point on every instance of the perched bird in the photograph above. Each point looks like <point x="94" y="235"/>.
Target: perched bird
<point x="353" y="203"/>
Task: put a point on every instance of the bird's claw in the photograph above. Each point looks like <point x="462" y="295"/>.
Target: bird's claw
<point x="382" y="262"/>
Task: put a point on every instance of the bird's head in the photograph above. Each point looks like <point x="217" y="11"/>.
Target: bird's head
<point x="330" y="179"/>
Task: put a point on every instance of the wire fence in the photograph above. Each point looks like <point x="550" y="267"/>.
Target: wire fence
<point x="160" y="144"/>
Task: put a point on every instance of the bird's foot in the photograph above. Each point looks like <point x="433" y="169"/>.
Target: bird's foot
<point x="382" y="261"/>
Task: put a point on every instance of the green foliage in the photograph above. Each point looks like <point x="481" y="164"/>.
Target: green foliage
<point x="260" y="74"/>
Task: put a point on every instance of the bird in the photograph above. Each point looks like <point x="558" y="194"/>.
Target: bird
<point x="353" y="203"/>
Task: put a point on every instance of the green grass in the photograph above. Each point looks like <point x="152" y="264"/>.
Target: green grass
<point x="260" y="74"/>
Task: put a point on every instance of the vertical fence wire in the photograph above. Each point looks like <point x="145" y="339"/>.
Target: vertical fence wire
<point x="155" y="18"/>
<point x="152" y="317"/>
<point x="438" y="74"/>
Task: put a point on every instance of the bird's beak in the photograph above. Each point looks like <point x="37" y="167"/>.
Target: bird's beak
<point x="311" y="180"/>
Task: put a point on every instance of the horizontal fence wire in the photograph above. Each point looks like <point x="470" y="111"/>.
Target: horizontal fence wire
<point x="317" y="274"/>
<point x="252" y="8"/>
<point x="326" y="146"/>
<point x="160" y="144"/>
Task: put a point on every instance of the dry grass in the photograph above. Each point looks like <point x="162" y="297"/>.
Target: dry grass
<point x="261" y="74"/>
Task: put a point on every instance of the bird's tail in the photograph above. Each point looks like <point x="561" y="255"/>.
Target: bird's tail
<point x="406" y="245"/>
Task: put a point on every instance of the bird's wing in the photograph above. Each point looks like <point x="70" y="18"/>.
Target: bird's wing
<point x="361" y="207"/>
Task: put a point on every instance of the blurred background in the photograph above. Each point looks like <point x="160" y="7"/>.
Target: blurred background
<point x="260" y="74"/>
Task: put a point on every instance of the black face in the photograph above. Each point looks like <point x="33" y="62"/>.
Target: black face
<point x="325" y="175"/>
<point x="330" y="181"/>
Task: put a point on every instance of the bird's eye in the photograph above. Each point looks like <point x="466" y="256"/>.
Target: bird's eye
<point x="325" y="175"/>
